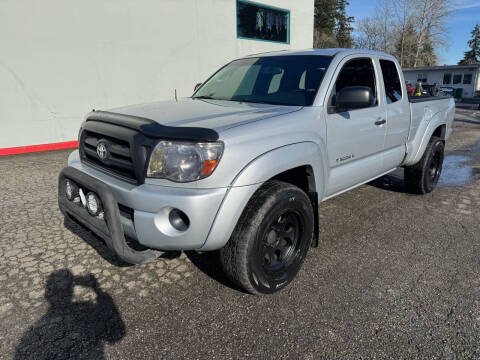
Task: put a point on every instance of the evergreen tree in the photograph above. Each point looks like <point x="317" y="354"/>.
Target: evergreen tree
<point x="324" y="23"/>
<point x="409" y="45"/>
<point x="343" y="29"/>
<point x="473" y="55"/>
<point x="332" y="25"/>
<point x="427" y="56"/>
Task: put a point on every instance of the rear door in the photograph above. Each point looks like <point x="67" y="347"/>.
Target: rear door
<point x="398" y="114"/>
<point x="355" y="138"/>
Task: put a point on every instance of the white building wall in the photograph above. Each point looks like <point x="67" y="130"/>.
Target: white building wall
<point x="61" y="58"/>
<point x="436" y="76"/>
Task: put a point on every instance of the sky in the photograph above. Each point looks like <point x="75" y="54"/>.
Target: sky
<point x="462" y="21"/>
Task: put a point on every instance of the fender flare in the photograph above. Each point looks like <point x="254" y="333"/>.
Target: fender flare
<point x="281" y="159"/>
<point x="430" y="126"/>
<point x="251" y="178"/>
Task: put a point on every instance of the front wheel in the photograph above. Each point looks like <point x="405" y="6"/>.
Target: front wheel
<point x="422" y="177"/>
<point x="271" y="239"/>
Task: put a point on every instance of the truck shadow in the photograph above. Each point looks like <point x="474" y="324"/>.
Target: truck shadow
<point x="209" y="264"/>
<point x="391" y="182"/>
<point x="72" y="329"/>
<point x="99" y="245"/>
<point x="94" y="241"/>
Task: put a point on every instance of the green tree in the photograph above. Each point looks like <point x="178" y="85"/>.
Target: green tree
<point x="343" y="28"/>
<point x="405" y="46"/>
<point x="332" y="26"/>
<point x="473" y="55"/>
<point x="427" y="56"/>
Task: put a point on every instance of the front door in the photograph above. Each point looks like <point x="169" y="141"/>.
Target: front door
<point x="355" y="138"/>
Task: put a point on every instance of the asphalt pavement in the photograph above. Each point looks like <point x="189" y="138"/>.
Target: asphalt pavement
<point x="396" y="275"/>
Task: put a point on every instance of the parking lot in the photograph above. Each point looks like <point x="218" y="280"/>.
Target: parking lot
<point x="395" y="276"/>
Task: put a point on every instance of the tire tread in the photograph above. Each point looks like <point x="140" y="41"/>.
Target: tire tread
<point x="415" y="174"/>
<point x="233" y="255"/>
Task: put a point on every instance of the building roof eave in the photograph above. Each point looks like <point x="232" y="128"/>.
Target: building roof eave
<point x="444" y="67"/>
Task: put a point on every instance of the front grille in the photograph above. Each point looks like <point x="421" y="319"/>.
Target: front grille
<point x="119" y="160"/>
<point x="126" y="150"/>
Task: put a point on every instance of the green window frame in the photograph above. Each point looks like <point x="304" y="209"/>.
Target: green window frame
<point x="265" y="14"/>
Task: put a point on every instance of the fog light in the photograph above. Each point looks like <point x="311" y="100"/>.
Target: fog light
<point x="179" y="220"/>
<point x="71" y="190"/>
<point x="94" y="206"/>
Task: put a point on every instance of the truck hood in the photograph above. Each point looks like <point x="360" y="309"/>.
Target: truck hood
<point x="219" y="115"/>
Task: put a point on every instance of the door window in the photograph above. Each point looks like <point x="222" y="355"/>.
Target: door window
<point x="356" y="72"/>
<point x="391" y="80"/>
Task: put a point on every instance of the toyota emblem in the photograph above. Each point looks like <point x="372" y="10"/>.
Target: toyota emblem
<point x="102" y="151"/>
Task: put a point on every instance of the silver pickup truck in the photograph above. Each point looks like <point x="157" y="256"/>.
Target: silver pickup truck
<point x="242" y="164"/>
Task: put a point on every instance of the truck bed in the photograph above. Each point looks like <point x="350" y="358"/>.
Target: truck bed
<point x="425" y="110"/>
<point x="417" y="99"/>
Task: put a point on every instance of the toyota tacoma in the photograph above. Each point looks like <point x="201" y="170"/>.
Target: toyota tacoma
<point x="242" y="164"/>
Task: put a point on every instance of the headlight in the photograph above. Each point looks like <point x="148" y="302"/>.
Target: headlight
<point x="183" y="161"/>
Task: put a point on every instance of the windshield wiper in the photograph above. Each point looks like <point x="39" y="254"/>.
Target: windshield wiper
<point x="204" y="97"/>
<point x="248" y="101"/>
<point x="256" y="101"/>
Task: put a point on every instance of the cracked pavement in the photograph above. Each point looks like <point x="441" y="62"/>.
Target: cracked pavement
<point x="395" y="276"/>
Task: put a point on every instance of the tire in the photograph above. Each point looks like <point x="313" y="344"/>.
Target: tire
<point x="270" y="240"/>
<point x="422" y="177"/>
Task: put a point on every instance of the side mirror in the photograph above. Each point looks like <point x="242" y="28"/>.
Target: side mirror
<point x="354" y="97"/>
<point x="197" y="86"/>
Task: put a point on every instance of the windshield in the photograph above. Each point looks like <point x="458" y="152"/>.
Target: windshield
<point x="282" y="80"/>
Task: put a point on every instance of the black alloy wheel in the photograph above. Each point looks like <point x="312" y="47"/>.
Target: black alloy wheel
<point x="271" y="239"/>
<point x="280" y="242"/>
<point x="422" y="177"/>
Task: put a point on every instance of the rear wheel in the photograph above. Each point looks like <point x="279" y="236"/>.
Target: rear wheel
<point x="422" y="177"/>
<point x="271" y="239"/>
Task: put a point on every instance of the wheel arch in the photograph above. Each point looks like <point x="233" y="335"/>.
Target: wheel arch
<point x="437" y="126"/>
<point x="440" y="131"/>
<point x="300" y="164"/>
<point x="304" y="178"/>
<point x="290" y="163"/>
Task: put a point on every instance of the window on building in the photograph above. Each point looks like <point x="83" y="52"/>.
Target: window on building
<point x="457" y="79"/>
<point x="467" y="78"/>
<point x="391" y="79"/>
<point x="421" y="77"/>
<point x="447" y="79"/>
<point x="261" y="22"/>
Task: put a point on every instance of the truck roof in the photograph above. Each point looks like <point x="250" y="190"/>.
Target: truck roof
<point x="325" y="52"/>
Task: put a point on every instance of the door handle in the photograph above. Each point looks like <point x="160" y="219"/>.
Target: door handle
<point x="380" y="122"/>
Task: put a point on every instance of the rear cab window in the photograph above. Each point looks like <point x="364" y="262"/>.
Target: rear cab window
<point x="391" y="81"/>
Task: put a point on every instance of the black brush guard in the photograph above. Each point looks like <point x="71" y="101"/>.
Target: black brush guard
<point x="109" y="228"/>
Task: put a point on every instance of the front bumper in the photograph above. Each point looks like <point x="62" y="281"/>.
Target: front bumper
<point x="110" y="227"/>
<point x="150" y="205"/>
